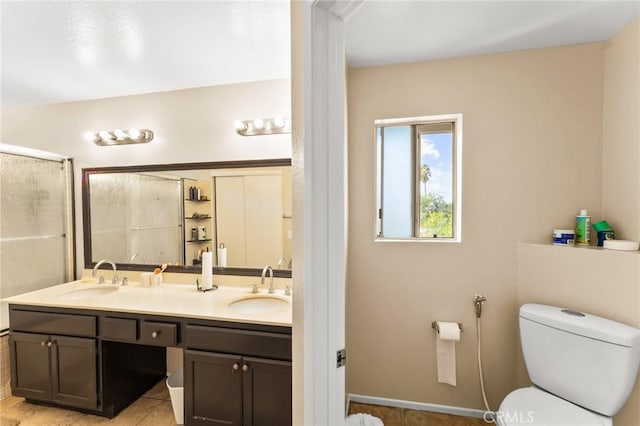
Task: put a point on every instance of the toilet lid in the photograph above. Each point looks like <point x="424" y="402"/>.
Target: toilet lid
<point x="533" y="406"/>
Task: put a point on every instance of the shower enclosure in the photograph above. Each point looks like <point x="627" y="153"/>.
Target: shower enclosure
<point x="137" y="218"/>
<point x="36" y="230"/>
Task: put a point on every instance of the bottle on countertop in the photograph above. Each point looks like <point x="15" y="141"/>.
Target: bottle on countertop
<point x="583" y="228"/>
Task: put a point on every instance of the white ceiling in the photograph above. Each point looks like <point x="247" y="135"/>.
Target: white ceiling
<point x="60" y="51"/>
<point x="69" y="50"/>
<point x="388" y="32"/>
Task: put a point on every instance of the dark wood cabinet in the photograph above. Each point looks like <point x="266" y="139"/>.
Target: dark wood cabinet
<point x="213" y="388"/>
<point x="234" y="373"/>
<point x="30" y="366"/>
<point x="222" y="389"/>
<point x="239" y="377"/>
<point x="266" y="392"/>
<point x="54" y="368"/>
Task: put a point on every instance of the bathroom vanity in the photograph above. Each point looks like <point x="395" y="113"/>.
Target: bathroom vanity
<point x="97" y="348"/>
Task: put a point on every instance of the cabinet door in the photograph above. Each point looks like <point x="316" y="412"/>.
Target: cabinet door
<point x="30" y="367"/>
<point x="266" y="388"/>
<point x="212" y="389"/>
<point x="74" y="365"/>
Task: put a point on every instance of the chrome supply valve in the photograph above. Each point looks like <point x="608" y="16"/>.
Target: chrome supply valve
<point x="478" y="300"/>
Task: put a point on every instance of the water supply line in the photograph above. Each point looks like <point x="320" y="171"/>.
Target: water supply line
<point x="478" y="300"/>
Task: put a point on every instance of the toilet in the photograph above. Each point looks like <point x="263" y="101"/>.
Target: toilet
<point x="583" y="368"/>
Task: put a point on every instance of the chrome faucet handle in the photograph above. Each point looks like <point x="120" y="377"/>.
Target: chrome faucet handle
<point x="125" y="281"/>
<point x="101" y="280"/>
<point x="254" y="288"/>
<point x="114" y="280"/>
<point x="287" y="291"/>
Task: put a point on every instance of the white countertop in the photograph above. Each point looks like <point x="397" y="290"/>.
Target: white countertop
<point x="167" y="299"/>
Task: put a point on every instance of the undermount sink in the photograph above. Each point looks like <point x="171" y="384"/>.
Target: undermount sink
<point x="86" y="293"/>
<point x="259" y="304"/>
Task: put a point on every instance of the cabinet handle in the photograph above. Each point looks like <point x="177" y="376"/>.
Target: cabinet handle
<point x="236" y="366"/>
<point x="43" y="343"/>
<point x="49" y="344"/>
<point x="245" y="367"/>
<point x="155" y="334"/>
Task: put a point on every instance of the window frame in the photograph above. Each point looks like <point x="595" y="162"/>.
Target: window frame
<point x="456" y="122"/>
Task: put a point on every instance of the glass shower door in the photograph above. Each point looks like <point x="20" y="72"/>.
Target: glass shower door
<point x="36" y="232"/>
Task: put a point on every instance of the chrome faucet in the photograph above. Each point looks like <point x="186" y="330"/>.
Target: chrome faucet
<point x="264" y="273"/>
<point x="282" y="262"/>
<point x="115" y="272"/>
<point x="144" y="260"/>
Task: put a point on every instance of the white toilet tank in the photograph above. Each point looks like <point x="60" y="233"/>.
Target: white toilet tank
<point x="588" y="360"/>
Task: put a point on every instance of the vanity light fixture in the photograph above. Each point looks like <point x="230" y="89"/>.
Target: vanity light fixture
<point x="119" y="136"/>
<point x="263" y="126"/>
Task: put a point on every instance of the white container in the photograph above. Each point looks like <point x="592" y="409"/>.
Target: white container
<point x="202" y="232"/>
<point x="175" y="384"/>
<point x="145" y="278"/>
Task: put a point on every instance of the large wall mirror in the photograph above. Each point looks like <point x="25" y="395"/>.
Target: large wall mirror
<point x="141" y="217"/>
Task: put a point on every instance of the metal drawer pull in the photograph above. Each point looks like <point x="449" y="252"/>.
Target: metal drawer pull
<point x="155" y="334"/>
<point x="43" y="343"/>
<point x="49" y="344"/>
<point x="245" y="367"/>
<point x="236" y="366"/>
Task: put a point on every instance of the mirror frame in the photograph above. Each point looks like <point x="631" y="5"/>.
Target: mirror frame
<point x="86" y="213"/>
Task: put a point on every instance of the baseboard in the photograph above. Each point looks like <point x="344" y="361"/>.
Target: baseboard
<point x="422" y="406"/>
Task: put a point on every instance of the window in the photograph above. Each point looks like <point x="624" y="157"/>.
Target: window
<point x="418" y="178"/>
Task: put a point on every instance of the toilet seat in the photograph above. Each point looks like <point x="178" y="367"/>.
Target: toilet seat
<point x="533" y="406"/>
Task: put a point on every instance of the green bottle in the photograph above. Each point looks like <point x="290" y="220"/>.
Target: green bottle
<point x="583" y="228"/>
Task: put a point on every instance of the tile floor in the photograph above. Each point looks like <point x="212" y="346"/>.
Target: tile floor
<point x="152" y="409"/>
<point x="394" y="416"/>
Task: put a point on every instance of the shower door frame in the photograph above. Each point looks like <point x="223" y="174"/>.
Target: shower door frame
<point x="70" y="219"/>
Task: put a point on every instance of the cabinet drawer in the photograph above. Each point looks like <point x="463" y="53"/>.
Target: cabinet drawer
<point x="158" y="333"/>
<point x="120" y="329"/>
<point x="53" y="323"/>
<point x="244" y="342"/>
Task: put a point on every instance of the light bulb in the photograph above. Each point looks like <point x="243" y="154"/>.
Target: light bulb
<point x="258" y="124"/>
<point x="89" y="136"/>
<point x="135" y="133"/>
<point x="278" y="122"/>
<point x="105" y="136"/>
<point x="119" y="134"/>
<point x="240" y="125"/>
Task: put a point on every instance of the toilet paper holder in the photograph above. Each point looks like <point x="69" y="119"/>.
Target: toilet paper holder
<point x="434" y="325"/>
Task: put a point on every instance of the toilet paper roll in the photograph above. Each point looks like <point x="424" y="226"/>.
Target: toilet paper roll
<point x="448" y="335"/>
<point x="222" y="257"/>
<point x="207" y="267"/>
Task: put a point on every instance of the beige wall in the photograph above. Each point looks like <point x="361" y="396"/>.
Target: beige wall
<point x="621" y="133"/>
<point x="600" y="282"/>
<point x="532" y="159"/>
<point x="191" y="125"/>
